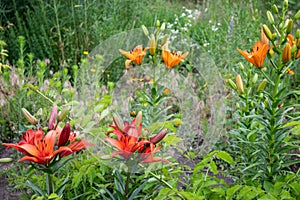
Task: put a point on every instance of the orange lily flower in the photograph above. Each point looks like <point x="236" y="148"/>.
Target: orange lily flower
<point x="258" y="54"/>
<point x="136" y="55"/>
<point x="171" y="59"/>
<point x="129" y="142"/>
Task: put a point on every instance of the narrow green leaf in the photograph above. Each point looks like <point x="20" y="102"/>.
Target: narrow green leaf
<point x="137" y="190"/>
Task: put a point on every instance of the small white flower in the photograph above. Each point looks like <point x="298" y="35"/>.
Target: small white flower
<point x="190" y="16"/>
<point x="169" y="25"/>
<point x="183" y="29"/>
<point x="214" y="28"/>
<point x="183" y="15"/>
<point x="219" y="24"/>
<point x="206" y="44"/>
<point x="174" y="31"/>
<point x="188" y="11"/>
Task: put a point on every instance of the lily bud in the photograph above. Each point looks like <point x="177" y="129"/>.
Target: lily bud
<point x="63" y="114"/>
<point x="267" y="31"/>
<point x="157" y="23"/>
<point x="285" y="5"/>
<point x="275" y="9"/>
<point x="32" y="120"/>
<point x="163" y="26"/>
<point x="298" y="33"/>
<point x="289" y="26"/>
<point x="254" y="79"/>
<point x="145" y="30"/>
<point x="53" y="116"/>
<point x="286" y="54"/>
<point x="118" y="122"/>
<point x="262" y="85"/>
<point x="159" y="136"/>
<point x="232" y="84"/>
<point x="164" y="40"/>
<point x="270" y="17"/>
<point x="274" y="36"/>
<point x="138" y="119"/>
<point x="298" y="43"/>
<point x="5" y="160"/>
<point x="152" y="45"/>
<point x="64" y="135"/>
<point x="241" y="66"/>
<point x="263" y="37"/>
<point x="239" y="84"/>
<point x="297" y="15"/>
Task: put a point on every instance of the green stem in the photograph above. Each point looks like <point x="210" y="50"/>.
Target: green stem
<point x="50" y="184"/>
<point x="127" y="184"/>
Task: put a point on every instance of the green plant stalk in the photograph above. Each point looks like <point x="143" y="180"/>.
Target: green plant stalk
<point x="127" y="183"/>
<point x="50" y="184"/>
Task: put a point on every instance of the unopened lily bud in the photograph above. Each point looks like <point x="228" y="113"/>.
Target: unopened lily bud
<point x="262" y="85"/>
<point x="267" y="31"/>
<point x="164" y="40"/>
<point x="64" y="135"/>
<point x="285" y="5"/>
<point x="241" y="66"/>
<point x="138" y="119"/>
<point x="52" y="119"/>
<point x="5" y="160"/>
<point x="289" y="26"/>
<point x="254" y="79"/>
<point x="159" y="136"/>
<point x="63" y="114"/>
<point x="157" y="23"/>
<point x="274" y="36"/>
<point x="232" y="84"/>
<point x="152" y="45"/>
<point x="145" y="30"/>
<point x="298" y="43"/>
<point x="32" y="120"/>
<point x="118" y="122"/>
<point x="286" y="54"/>
<point x="275" y="9"/>
<point x="297" y="15"/>
<point x="237" y="105"/>
<point x="294" y="49"/>
<point x="239" y="84"/>
<point x="163" y="26"/>
<point x="298" y="33"/>
<point x="270" y="17"/>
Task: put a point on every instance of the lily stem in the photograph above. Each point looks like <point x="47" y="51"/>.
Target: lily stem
<point x="127" y="184"/>
<point x="50" y="184"/>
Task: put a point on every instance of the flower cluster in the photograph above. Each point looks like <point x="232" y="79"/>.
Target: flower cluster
<point x="130" y="142"/>
<point x="171" y="59"/>
<point x="45" y="149"/>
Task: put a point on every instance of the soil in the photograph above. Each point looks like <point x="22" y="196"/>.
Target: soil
<point x="6" y="192"/>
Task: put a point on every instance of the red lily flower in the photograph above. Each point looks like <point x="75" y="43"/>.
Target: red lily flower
<point x="38" y="149"/>
<point x="129" y="141"/>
